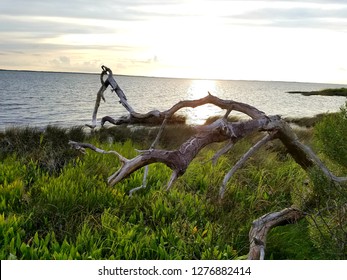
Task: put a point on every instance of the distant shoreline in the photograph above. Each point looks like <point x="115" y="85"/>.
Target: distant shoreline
<point x="53" y="72"/>
<point x="325" y="92"/>
<point x="301" y="122"/>
<point x="164" y="77"/>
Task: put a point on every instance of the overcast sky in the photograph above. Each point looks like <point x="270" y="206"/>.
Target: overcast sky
<point x="252" y="40"/>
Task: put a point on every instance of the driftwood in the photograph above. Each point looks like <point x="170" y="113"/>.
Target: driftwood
<point x="261" y="227"/>
<point x="221" y="130"/>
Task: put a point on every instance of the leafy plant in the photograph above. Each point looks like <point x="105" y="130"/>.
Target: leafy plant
<point x="331" y="136"/>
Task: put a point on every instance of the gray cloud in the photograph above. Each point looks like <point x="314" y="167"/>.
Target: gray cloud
<point x="125" y="10"/>
<point x="64" y="62"/>
<point x="116" y="10"/>
<point x="313" y="17"/>
<point x="11" y="24"/>
<point x="61" y="61"/>
<point x="79" y="8"/>
<point x="12" y="46"/>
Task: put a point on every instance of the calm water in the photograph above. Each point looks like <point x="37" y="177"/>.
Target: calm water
<point x="65" y="99"/>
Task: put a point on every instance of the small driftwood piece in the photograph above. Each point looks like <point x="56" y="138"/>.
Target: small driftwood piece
<point x="133" y="116"/>
<point x="261" y="227"/>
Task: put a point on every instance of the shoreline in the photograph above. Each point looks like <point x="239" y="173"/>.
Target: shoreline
<point x="177" y="77"/>
<point x="325" y="92"/>
<point x="300" y="122"/>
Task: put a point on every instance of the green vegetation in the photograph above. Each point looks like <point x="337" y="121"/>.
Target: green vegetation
<point x="325" y="92"/>
<point x="55" y="202"/>
<point x="332" y="136"/>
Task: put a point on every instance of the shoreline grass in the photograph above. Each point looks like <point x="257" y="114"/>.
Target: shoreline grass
<point x="325" y="92"/>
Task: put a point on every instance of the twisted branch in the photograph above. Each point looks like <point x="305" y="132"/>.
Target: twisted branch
<point x="219" y="131"/>
<point x="261" y="227"/>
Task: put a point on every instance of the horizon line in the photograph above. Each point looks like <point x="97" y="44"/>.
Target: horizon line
<point x="166" y="77"/>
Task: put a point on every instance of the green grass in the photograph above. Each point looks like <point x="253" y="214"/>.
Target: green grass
<point x="55" y="202"/>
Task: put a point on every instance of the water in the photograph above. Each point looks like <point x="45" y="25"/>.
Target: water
<point x="67" y="99"/>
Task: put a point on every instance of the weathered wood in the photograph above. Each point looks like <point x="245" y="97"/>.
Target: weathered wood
<point x="261" y="227"/>
<point x="219" y="131"/>
<point x="230" y="105"/>
<point x="99" y="96"/>
<point x="115" y="88"/>
<point x="303" y="154"/>
<point x="178" y="160"/>
<point x="156" y="115"/>
<point x="242" y="160"/>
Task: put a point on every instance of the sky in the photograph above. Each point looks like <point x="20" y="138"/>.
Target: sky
<point x="303" y="41"/>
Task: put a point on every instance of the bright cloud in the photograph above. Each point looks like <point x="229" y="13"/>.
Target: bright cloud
<point x="263" y="40"/>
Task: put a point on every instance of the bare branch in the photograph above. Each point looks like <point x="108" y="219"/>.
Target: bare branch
<point x="302" y="154"/>
<point x="321" y="165"/>
<point x="173" y="178"/>
<point x="83" y="146"/>
<point x="156" y="140"/>
<point x="99" y="96"/>
<point x="221" y="152"/>
<point x="228" y="105"/>
<point x="115" y="88"/>
<point x="242" y="160"/>
<point x="261" y="227"/>
<point x="144" y="182"/>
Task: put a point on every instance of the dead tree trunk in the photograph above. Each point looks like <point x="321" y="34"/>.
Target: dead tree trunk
<point x="219" y="131"/>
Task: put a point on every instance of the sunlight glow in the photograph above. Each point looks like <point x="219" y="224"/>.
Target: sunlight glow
<point x="199" y="89"/>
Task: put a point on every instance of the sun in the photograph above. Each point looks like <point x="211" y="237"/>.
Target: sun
<point x="199" y="89"/>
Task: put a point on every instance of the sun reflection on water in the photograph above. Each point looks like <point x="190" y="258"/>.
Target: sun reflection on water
<point x="199" y="89"/>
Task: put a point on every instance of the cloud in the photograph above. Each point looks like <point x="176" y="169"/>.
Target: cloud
<point x="125" y="10"/>
<point x="45" y="26"/>
<point x="62" y="61"/>
<point x="133" y="34"/>
<point x="65" y="63"/>
<point x="106" y="10"/>
<point x="310" y="17"/>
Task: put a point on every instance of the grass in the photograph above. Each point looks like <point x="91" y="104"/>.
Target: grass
<point x="55" y="202"/>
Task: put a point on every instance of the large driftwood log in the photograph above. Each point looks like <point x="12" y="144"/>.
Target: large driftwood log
<point x="219" y="131"/>
<point x="178" y="160"/>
